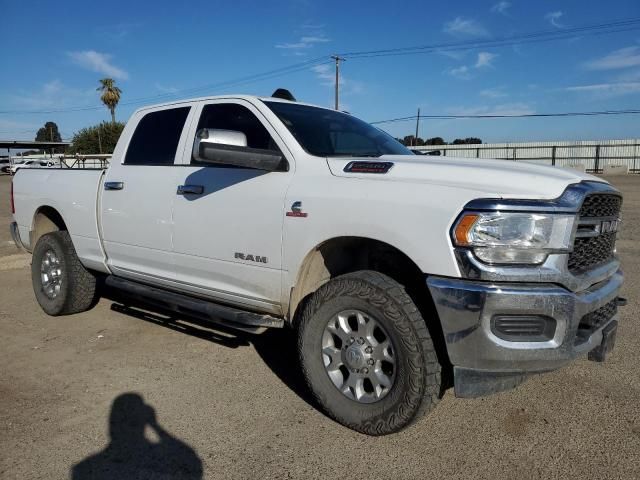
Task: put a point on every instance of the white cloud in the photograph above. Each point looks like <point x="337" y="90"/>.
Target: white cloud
<point x="554" y="18"/>
<point x="485" y="59"/>
<point x="293" y="45"/>
<point x="607" y="89"/>
<point x="622" y="58"/>
<point x="497" y="92"/>
<point x="98" y="62"/>
<point x="315" y="39"/>
<point x="326" y="74"/>
<point x="465" y="27"/>
<point x="501" y="7"/>
<point x="314" y="35"/>
<point x="460" y="72"/>
<point x="518" y="108"/>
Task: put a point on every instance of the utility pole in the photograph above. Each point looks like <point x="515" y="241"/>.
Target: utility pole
<point x="417" y="126"/>
<point x="338" y="59"/>
<point x="99" y="140"/>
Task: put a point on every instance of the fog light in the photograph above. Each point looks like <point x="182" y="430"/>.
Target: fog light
<point x="523" y="328"/>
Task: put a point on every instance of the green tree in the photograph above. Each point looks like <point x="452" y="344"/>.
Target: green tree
<point x="435" y="141"/>
<point x="467" y="141"/>
<point x="412" y="141"/>
<point x="50" y="133"/>
<point x="110" y="95"/>
<point x="100" y="138"/>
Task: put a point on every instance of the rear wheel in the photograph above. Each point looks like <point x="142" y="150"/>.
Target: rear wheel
<point x="367" y="355"/>
<point x="60" y="282"/>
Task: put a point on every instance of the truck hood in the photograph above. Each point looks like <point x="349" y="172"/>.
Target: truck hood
<point x="497" y="178"/>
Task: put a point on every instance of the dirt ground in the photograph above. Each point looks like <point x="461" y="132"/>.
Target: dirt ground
<point x="173" y="399"/>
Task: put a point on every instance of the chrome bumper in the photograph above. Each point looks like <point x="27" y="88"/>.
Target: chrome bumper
<point x="466" y="309"/>
<point x="15" y="235"/>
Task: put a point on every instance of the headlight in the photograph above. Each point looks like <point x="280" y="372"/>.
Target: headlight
<point x="514" y="238"/>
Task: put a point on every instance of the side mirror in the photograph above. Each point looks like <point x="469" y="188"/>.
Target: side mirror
<point x="228" y="147"/>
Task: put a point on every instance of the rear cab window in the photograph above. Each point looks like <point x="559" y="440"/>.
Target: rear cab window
<point x="156" y="137"/>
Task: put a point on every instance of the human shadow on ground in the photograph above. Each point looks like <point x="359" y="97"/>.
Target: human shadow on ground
<point x="130" y="455"/>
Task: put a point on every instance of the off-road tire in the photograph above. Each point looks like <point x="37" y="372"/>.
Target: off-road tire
<point x="78" y="290"/>
<point x="417" y="385"/>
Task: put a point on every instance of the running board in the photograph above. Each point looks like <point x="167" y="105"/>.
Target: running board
<point x="195" y="307"/>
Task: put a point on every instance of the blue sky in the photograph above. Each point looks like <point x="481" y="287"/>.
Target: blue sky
<point x="53" y="54"/>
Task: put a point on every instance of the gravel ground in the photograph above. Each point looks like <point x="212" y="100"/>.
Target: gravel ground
<point x="179" y="400"/>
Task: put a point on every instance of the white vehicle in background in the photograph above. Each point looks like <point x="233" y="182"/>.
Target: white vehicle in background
<point x="398" y="272"/>
<point x="5" y="165"/>
<point x="31" y="164"/>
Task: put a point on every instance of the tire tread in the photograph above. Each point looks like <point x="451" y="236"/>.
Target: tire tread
<point x="81" y="288"/>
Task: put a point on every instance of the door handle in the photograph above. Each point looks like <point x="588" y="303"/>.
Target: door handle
<point x="190" y="190"/>
<point x="113" y="185"/>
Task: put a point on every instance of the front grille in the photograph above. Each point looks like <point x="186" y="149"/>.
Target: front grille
<point x="589" y="252"/>
<point x="601" y="205"/>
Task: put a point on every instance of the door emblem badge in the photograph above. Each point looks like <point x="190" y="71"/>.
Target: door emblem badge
<point x="251" y="257"/>
<point x="296" y="210"/>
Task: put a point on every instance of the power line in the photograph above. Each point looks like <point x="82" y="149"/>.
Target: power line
<point x="515" y="115"/>
<point x="532" y="37"/>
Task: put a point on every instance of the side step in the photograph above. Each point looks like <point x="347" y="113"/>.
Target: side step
<point x="195" y="307"/>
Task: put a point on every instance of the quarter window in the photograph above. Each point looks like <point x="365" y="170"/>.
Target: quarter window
<point x="156" y="137"/>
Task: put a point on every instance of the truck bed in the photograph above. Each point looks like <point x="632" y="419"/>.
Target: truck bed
<point x="72" y="192"/>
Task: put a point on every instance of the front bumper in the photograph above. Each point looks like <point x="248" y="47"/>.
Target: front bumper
<point x="483" y="362"/>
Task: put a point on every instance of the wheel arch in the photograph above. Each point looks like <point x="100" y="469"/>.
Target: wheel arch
<point x="46" y="219"/>
<point x="346" y="254"/>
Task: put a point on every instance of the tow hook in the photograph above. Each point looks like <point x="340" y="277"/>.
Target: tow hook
<point x="621" y="301"/>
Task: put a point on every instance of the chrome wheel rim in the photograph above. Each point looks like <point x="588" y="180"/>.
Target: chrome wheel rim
<point x="358" y="356"/>
<point x="51" y="274"/>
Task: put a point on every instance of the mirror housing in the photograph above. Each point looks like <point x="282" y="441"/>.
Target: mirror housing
<point x="229" y="147"/>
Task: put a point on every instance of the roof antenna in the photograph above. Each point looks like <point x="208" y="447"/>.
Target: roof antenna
<point x="284" y="94"/>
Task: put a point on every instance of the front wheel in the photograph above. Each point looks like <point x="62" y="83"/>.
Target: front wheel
<point x="60" y="282"/>
<point x="367" y="355"/>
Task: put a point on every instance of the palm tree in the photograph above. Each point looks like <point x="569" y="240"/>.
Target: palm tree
<point x="110" y="95"/>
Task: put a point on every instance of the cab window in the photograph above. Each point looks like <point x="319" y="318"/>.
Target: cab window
<point x="155" y="140"/>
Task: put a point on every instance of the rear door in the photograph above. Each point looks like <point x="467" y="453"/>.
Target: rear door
<point x="228" y="239"/>
<point x="138" y="197"/>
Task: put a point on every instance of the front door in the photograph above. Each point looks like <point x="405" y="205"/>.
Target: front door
<point x="228" y="238"/>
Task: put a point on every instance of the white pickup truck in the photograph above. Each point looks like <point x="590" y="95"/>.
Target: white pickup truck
<point x="403" y="275"/>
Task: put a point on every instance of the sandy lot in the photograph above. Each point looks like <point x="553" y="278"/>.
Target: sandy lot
<point x="172" y="399"/>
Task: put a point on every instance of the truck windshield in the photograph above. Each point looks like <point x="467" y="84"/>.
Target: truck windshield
<point x="328" y="133"/>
